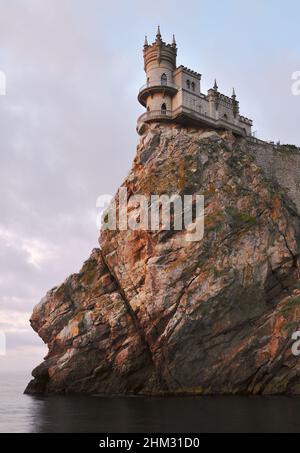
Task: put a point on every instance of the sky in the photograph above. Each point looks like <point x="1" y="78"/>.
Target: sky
<point x="67" y="123"/>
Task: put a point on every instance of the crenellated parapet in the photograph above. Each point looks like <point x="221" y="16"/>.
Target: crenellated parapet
<point x="245" y="120"/>
<point x="160" y="52"/>
<point x="190" y="71"/>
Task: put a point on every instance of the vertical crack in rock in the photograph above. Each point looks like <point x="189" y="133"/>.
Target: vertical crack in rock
<point x="139" y="329"/>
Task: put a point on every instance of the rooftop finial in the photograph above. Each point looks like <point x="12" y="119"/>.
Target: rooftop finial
<point x="158" y="35"/>
<point x="174" y="41"/>
<point x="216" y="85"/>
<point x="233" y="94"/>
<point x="146" y="41"/>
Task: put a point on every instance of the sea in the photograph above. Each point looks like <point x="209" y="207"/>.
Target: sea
<point x="21" y="413"/>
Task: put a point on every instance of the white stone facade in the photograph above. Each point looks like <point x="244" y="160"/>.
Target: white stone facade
<point x="174" y="94"/>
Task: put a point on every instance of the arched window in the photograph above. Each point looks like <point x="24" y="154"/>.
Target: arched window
<point x="148" y="109"/>
<point x="193" y="86"/>
<point x="225" y="117"/>
<point x="164" y="109"/>
<point x="164" y="79"/>
<point x="188" y="84"/>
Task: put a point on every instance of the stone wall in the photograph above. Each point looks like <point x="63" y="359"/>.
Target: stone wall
<point x="194" y="102"/>
<point x="280" y="164"/>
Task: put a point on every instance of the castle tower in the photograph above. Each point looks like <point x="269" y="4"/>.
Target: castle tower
<point x="173" y="94"/>
<point x="159" y="64"/>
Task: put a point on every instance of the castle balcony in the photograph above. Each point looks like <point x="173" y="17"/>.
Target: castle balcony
<point x="156" y="86"/>
<point x="186" y="116"/>
<point x="154" y="115"/>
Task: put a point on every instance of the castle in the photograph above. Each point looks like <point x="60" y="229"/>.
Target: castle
<point x="174" y="94"/>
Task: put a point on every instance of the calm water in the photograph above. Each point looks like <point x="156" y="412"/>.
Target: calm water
<point x="19" y="413"/>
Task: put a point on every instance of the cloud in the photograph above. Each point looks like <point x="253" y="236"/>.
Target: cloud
<point x="22" y="345"/>
<point x="37" y="251"/>
<point x="58" y="126"/>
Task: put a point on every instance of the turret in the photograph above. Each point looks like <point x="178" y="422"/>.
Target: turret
<point x="159" y="64"/>
<point x="236" y="104"/>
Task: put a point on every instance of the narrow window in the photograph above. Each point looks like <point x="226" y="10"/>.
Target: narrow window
<point x="164" y="79"/>
<point x="188" y="84"/>
<point x="164" y="109"/>
<point x="193" y="86"/>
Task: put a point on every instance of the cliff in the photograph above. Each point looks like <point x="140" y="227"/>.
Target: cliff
<point x="152" y="313"/>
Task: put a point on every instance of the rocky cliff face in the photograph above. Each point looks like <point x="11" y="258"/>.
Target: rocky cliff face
<point x="151" y="313"/>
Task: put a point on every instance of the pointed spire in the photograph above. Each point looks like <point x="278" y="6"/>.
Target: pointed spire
<point x="233" y="94"/>
<point x="158" y="34"/>
<point x="216" y="85"/>
<point x="146" y="41"/>
<point x="174" y="41"/>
